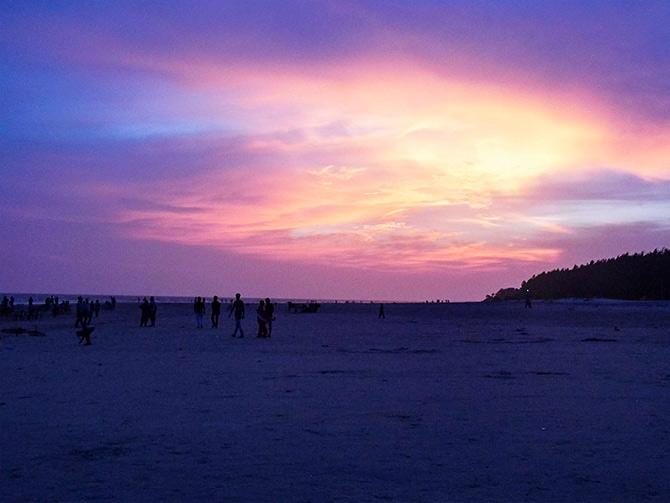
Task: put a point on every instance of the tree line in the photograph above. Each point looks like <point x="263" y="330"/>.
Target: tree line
<point x="635" y="276"/>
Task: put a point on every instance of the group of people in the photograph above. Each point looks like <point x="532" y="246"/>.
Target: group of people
<point x="7" y="303"/>
<point x="57" y="306"/>
<point x="148" y="310"/>
<point x="86" y="310"/>
<point x="200" y="309"/>
<point x="265" y="315"/>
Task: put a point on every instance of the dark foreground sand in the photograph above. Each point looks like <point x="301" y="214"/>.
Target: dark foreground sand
<point x="470" y="402"/>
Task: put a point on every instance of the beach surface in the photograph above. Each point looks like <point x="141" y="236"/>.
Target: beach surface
<point x="566" y="401"/>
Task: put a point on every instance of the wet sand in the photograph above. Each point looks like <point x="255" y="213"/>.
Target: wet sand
<point x="457" y="402"/>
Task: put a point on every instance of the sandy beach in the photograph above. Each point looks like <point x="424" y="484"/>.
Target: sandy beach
<point x="437" y="402"/>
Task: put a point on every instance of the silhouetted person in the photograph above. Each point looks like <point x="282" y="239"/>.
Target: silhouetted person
<point x="216" y="312"/>
<point x="153" y="309"/>
<point x="90" y="309"/>
<point x="199" y="310"/>
<point x="381" y="312"/>
<point x="86" y="330"/>
<point x="528" y="304"/>
<point x="144" y="312"/>
<point x="96" y="309"/>
<point x="237" y="308"/>
<point x="269" y="315"/>
<point x="260" y="318"/>
<point x="81" y="315"/>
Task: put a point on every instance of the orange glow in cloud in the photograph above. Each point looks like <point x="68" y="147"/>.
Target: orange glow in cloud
<point x="386" y="168"/>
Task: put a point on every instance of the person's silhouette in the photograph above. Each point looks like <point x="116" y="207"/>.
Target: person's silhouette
<point x="145" y="308"/>
<point x="269" y="315"/>
<point x="260" y="318"/>
<point x="153" y="308"/>
<point x="216" y="311"/>
<point x="237" y="308"/>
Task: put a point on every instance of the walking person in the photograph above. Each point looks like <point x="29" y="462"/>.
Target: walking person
<point x="216" y="311"/>
<point x="237" y="308"/>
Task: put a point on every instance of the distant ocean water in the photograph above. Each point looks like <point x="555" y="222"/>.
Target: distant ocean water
<point x="38" y="298"/>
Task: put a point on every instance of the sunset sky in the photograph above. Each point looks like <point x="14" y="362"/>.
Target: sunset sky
<point x="328" y="149"/>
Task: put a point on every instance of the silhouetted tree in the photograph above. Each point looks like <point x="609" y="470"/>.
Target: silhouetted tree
<point x="631" y="277"/>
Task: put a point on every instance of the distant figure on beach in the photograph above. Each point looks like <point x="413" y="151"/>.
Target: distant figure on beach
<point x="199" y="310"/>
<point x="153" y="309"/>
<point x="381" y="312"/>
<point x="237" y="308"/>
<point x="90" y="308"/>
<point x="269" y="315"/>
<point x="80" y="313"/>
<point x="83" y="321"/>
<point x="260" y="318"/>
<point x="216" y="311"/>
<point x="144" y="312"/>
<point x="97" y="308"/>
<point x="528" y="304"/>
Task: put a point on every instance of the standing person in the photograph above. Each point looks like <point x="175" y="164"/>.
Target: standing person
<point x="381" y="312"/>
<point x="199" y="309"/>
<point x="216" y="311"/>
<point x="97" y="308"/>
<point x="80" y="313"/>
<point x="237" y="307"/>
<point x="91" y="310"/>
<point x="144" y="312"/>
<point x="153" y="309"/>
<point x="269" y="315"/>
<point x="260" y="318"/>
<point x="528" y="304"/>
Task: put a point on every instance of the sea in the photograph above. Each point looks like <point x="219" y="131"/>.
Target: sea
<point x="39" y="298"/>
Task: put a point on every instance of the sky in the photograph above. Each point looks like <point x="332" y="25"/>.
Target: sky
<point x="390" y="150"/>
